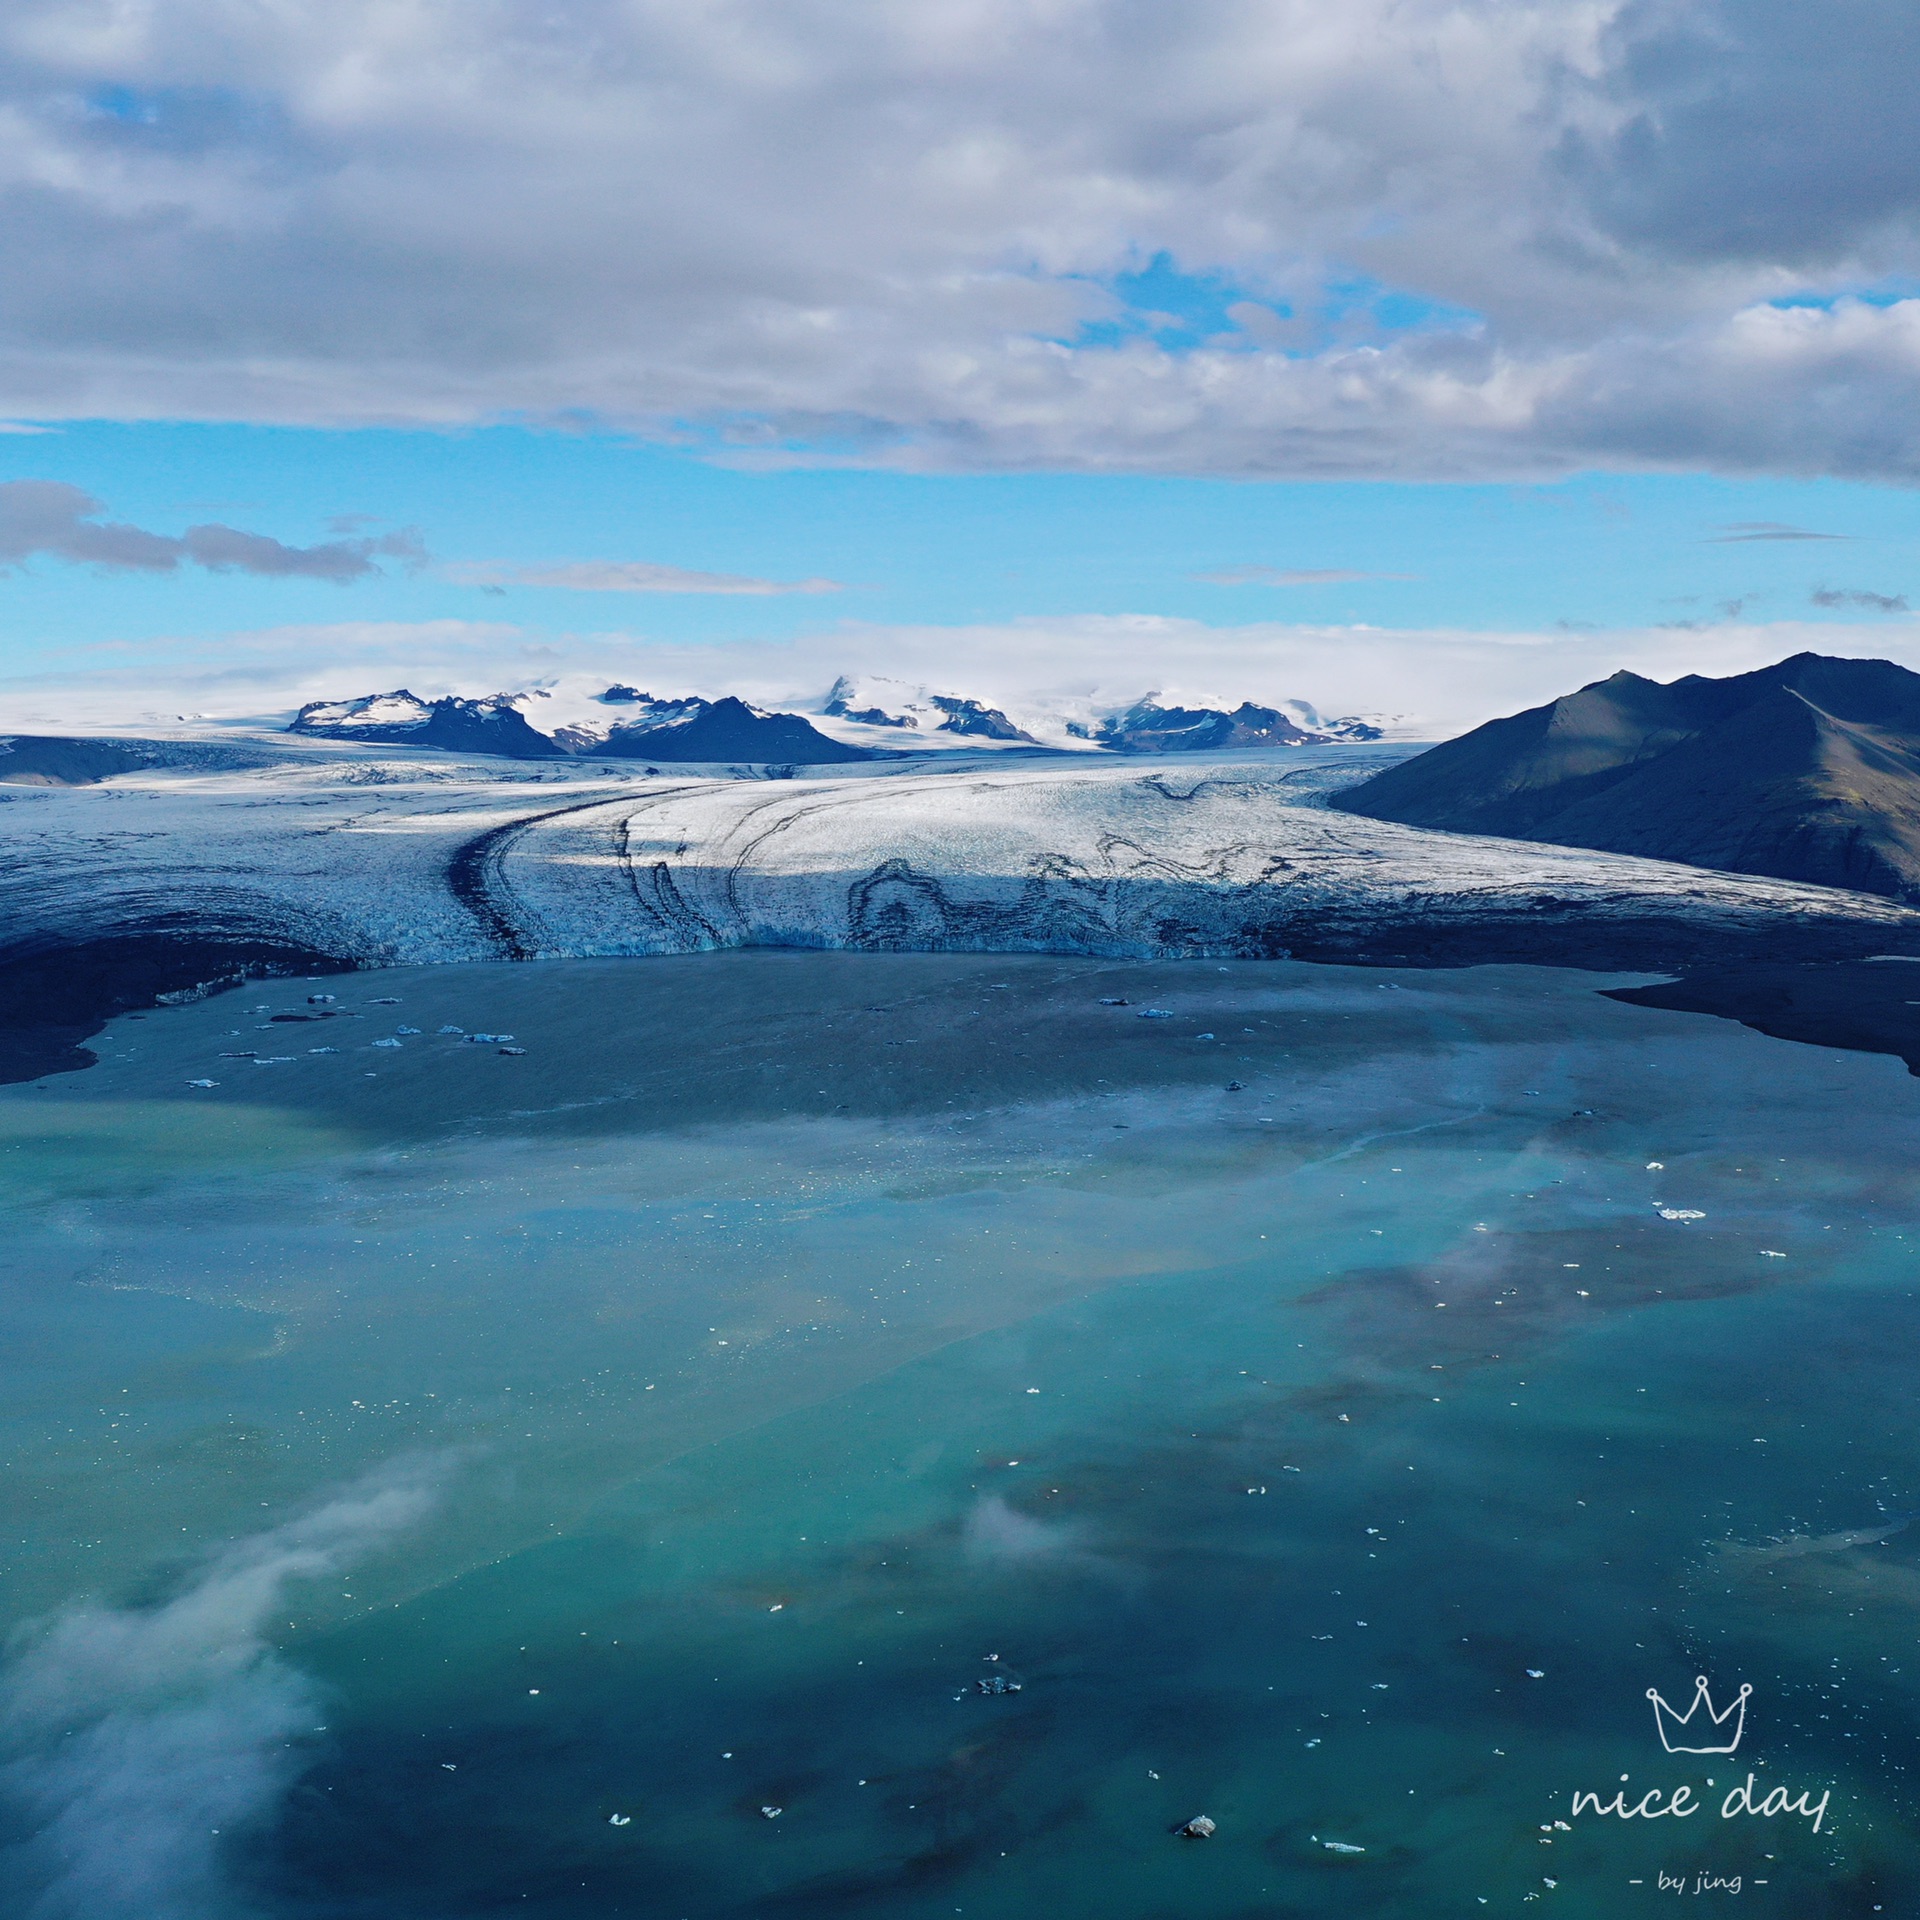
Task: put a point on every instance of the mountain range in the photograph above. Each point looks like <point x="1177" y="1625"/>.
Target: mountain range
<point x="862" y="718"/>
<point x="1149" y="728"/>
<point x="708" y="731"/>
<point x="891" y="703"/>
<point x="1806" y="770"/>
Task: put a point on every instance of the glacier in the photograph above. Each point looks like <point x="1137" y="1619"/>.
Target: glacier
<point x="362" y="855"/>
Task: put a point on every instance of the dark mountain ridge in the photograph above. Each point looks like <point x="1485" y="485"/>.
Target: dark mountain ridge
<point x="1148" y="728"/>
<point x="729" y="729"/>
<point x="1806" y="770"/>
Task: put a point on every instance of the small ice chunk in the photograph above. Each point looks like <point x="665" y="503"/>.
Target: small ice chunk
<point x="386" y="1043"/>
<point x="1198" y="1828"/>
<point x="203" y="1083"/>
<point x="771" y="1813"/>
<point x="455" y="1030"/>
<point x="1203" y="1036"/>
<point x="389" y="1000"/>
<point x="406" y="1029"/>
<point x="1153" y="1013"/>
<point x="320" y="999"/>
<point x="1536" y="1673"/>
<point x="620" y="1820"/>
<point x="1341" y="1846"/>
<point x="1114" y="1001"/>
<point x="1681" y="1213"/>
<point x="513" y="1049"/>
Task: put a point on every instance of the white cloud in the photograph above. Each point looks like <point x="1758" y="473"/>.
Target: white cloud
<point x="1439" y="680"/>
<point x="1452" y="237"/>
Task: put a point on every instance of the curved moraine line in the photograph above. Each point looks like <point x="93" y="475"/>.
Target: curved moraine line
<point x="1111" y="864"/>
<point x="458" y="860"/>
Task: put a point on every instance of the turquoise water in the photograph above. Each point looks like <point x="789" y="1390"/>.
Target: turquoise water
<point x="445" y="1483"/>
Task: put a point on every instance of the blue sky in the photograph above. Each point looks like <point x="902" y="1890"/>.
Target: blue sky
<point x="1606" y="551"/>
<point x="1390" y="352"/>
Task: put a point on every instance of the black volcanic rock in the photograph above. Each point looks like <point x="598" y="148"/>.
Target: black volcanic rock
<point x="1808" y="770"/>
<point x="731" y="730"/>
<point x="1147" y="728"/>
<point x="492" y="725"/>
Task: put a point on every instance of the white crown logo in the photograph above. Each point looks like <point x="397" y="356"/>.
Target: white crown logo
<point x="1735" y="1711"/>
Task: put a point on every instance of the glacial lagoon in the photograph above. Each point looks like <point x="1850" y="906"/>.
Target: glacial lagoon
<point x="831" y="1434"/>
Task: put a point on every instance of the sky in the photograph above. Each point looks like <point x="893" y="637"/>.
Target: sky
<point x="1411" y="358"/>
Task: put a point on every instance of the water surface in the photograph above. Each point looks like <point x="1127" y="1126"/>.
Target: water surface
<point x="447" y="1482"/>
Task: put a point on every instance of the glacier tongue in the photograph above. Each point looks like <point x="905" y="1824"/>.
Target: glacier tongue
<point x="369" y="855"/>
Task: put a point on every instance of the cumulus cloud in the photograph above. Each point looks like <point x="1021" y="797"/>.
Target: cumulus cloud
<point x="633" y="576"/>
<point x="1756" y="132"/>
<point x="137" y="1741"/>
<point x="62" y="522"/>
<point x="1296" y="237"/>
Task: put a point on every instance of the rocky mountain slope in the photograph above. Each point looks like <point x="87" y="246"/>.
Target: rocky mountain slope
<point x="1808" y="770"/>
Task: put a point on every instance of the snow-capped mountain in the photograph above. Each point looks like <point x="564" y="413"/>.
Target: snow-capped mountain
<point x="1142" y="726"/>
<point x="877" y="702"/>
<point x="494" y="724"/>
<point x="688" y="729"/>
<point x="1350" y="726"/>
<point x="862" y="715"/>
<point x="725" y="729"/>
<point x="1147" y="727"/>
